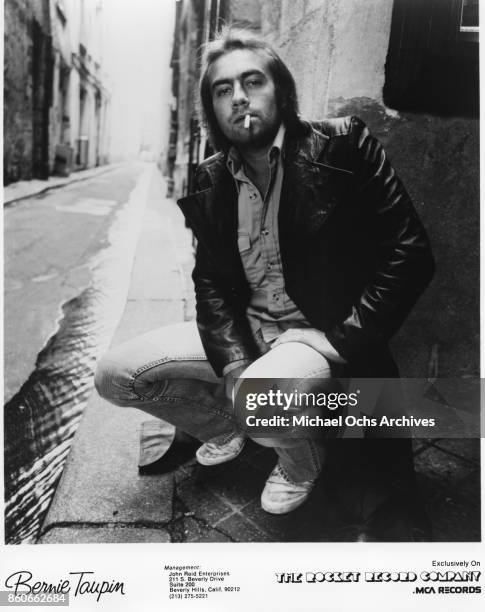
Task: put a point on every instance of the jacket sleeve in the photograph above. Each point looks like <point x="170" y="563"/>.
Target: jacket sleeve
<point x="405" y="264"/>
<point x="223" y="329"/>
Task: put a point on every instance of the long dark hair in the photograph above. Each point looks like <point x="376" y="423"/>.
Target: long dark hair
<point x="231" y="39"/>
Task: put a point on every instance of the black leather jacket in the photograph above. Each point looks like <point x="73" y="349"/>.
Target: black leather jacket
<point x="355" y="255"/>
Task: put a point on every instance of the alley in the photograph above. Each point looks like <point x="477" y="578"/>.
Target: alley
<point x="68" y="258"/>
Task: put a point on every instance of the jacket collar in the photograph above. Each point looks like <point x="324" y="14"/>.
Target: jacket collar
<point x="307" y="147"/>
<point x="307" y="197"/>
<point x="307" y="193"/>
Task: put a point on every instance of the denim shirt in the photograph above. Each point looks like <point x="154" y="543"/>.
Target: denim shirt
<point x="271" y="311"/>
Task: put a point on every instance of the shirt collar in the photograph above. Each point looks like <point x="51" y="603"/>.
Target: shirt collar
<point x="234" y="161"/>
<point x="279" y="140"/>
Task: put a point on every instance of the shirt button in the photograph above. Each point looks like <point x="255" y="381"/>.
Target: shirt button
<point x="265" y="232"/>
<point x="268" y="267"/>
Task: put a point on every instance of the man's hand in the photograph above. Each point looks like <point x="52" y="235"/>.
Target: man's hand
<point x="231" y="377"/>
<point x="312" y="337"/>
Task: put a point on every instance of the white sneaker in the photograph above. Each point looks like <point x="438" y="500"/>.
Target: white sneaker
<point x="281" y="495"/>
<point x="220" y="449"/>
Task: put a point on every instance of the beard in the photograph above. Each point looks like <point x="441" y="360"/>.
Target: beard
<point x="264" y="137"/>
<point x="261" y="133"/>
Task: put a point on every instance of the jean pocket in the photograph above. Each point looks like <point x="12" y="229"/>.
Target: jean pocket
<point x="149" y="389"/>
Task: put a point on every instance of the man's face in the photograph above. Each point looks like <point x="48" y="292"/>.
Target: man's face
<point x="241" y="84"/>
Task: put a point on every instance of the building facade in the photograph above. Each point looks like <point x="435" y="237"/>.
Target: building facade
<point x="55" y="98"/>
<point x="197" y="22"/>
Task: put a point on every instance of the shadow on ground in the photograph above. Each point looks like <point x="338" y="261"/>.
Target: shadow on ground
<point x="221" y="503"/>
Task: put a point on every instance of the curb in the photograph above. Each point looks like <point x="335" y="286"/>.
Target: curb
<point x="75" y="178"/>
<point x="101" y="497"/>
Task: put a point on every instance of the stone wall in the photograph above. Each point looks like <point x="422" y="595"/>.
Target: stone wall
<point x="188" y="38"/>
<point x="17" y="127"/>
<point x="337" y="51"/>
<point x="27" y="82"/>
<point x="247" y="13"/>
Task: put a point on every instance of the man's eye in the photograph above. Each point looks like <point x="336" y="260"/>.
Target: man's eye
<point x="223" y="91"/>
<point x="253" y="83"/>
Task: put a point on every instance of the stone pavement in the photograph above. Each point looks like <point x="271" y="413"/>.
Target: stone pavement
<point x="103" y="497"/>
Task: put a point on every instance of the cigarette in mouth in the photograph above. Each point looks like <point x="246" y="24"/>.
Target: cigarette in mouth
<point x="247" y="121"/>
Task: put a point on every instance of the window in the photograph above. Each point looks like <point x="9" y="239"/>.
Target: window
<point x="469" y="20"/>
<point x="432" y="62"/>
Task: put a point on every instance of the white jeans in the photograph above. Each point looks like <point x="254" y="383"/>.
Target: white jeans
<point x="165" y="373"/>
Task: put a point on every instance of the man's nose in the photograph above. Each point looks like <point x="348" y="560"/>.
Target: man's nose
<point x="239" y="95"/>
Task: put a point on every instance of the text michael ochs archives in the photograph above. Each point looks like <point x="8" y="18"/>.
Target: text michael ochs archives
<point x="291" y="409"/>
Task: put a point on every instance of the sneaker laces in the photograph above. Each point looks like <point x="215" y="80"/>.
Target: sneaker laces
<point x="231" y="436"/>
<point x="224" y="438"/>
<point x="280" y="471"/>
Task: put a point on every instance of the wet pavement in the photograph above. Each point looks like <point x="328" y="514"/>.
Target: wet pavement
<point x="103" y="497"/>
<point x="68" y="254"/>
<point x="54" y="242"/>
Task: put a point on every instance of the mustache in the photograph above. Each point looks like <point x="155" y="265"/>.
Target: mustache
<point x="240" y="116"/>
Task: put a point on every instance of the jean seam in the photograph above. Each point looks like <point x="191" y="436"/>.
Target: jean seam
<point x="316" y="464"/>
<point x="185" y="400"/>
<point x="314" y="455"/>
<point x="153" y="364"/>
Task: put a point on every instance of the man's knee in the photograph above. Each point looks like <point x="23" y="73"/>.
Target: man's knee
<point x="126" y="381"/>
<point x="113" y="382"/>
<point x="292" y="360"/>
